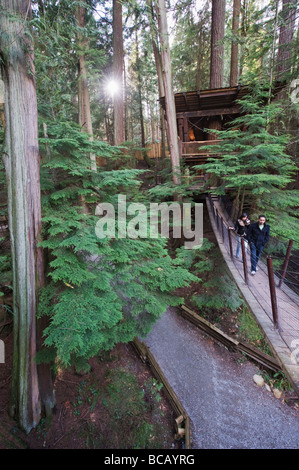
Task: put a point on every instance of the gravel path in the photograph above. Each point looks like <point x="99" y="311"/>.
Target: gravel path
<point x="227" y="409"/>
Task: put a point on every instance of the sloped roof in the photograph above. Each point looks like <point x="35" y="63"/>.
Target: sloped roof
<point x="207" y="99"/>
<point x="219" y="98"/>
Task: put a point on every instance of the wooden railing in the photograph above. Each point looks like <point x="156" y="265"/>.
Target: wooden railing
<point x="187" y="149"/>
<point x="197" y="148"/>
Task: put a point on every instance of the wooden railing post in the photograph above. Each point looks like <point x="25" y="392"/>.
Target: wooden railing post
<point x="272" y="291"/>
<point x="222" y="228"/>
<point x="230" y="242"/>
<point x="244" y="261"/>
<point x="180" y="148"/>
<point x="286" y="262"/>
<point x="217" y="219"/>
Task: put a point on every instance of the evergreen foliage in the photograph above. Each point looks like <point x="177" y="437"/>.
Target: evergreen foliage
<point x="57" y="52"/>
<point x="100" y="291"/>
<point x="217" y="289"/>
<point x="5" y="267"/>
<point x="253" y="160"/>
<point x="191" y="48"/>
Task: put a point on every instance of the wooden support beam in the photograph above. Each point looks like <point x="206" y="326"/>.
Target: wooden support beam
<point x="186" y="134"/>
<point x="181" y="128"/>
<point x="211" y="112"/>
<point x="198" y="96"/>
<point x="185" y="99"/>
<point x="219" y="92"/>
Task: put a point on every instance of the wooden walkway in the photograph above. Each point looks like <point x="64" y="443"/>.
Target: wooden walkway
<point x="227" y="410"/>
<point x="284" y="341"/>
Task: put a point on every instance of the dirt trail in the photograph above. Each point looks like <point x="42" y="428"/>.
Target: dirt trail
<point x="227" y="409"/>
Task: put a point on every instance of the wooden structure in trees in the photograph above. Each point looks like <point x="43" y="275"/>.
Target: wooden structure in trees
<point x="197" y="111"/>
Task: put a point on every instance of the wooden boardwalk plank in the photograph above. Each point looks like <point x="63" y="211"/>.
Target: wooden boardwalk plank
<point x="284" y="342"/>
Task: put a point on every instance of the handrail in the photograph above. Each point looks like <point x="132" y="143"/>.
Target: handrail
<point x="231" y="343"/>
<point x="286" y="317"/>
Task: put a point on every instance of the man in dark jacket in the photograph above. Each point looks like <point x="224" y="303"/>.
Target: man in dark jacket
<point x="258" y="235"/>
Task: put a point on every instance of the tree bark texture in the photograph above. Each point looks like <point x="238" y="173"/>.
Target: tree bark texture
<point x="83" y="94"/>
<point x="163" y="123"/>
<point x="139" y="92"/>
<point x="126" y="107"/>
<point x="21" y="162"/>
<point x="243" y="28"/>
<point x="217" y="49"/>
<point x="286" y="32"/>
<point x="234" y="68"/>
<point x="158" y="63"/>
<point x="169" y="96"/>
<point x="118" y="72"/>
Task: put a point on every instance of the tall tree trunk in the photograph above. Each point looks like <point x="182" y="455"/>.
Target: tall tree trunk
<point x="153" y="123"/>
<point x="41" y="7"/>
<point x="2" y="116"/>
<point x="234" y="69"/>
<point x="217" y="49"/>
<point x="272" y="58"/>
<point x="199" y="64"/>
<point x="287" y="26"/>
<point x="242" y="201"/>
<point x="243" y="36"/>
<point x="118" y="71"/>
<point x="158" y="63"/>
<point x="126" y="106"/>
<point x="139" y="92"/>
<point x="21" y="160"/>
<point x="83" y="94"/>
<point x="202" y="67"/>
<point x="169" y="96"/>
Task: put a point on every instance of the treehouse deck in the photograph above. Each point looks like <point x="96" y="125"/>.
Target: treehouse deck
<point x="197" y="151"/>
<point x="200" y="112"/>
<point x="197" y="114"/>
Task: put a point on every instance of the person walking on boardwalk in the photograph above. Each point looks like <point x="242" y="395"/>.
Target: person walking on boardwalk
<point x="241" y="230"/>
<point x="258" y="234"/>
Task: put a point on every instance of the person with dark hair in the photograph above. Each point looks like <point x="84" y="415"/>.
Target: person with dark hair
<point x="258" y="235"/>
<point x="241" y="231"/>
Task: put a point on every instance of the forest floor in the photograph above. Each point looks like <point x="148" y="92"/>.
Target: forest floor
<point x="116" y="405"/>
